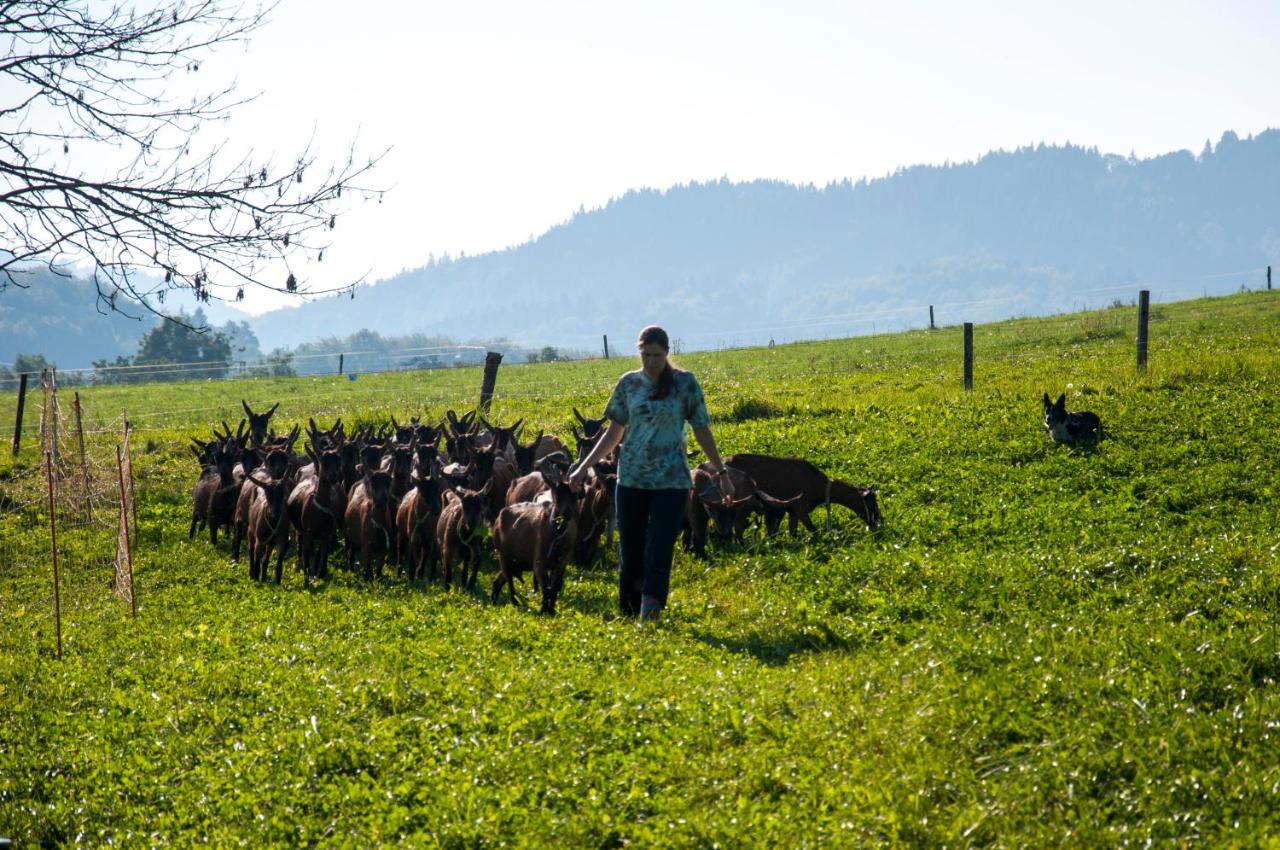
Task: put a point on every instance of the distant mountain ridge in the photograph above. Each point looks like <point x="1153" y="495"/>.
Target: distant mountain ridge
<point x="1031" y="231"/>
<point x="1036" y="230"/>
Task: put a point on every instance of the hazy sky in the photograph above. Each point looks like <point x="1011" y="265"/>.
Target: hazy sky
<point x="505" y="117"/>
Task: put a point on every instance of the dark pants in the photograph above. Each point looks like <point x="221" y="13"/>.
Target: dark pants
<point x="648" y="523"/>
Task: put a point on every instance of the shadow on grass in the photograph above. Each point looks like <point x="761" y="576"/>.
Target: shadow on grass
<point x="776" y="649"/>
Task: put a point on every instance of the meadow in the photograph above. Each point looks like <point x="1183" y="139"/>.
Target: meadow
<point x="1043" y="646"/>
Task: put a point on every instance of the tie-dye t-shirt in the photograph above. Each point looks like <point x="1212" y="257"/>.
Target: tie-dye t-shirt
<point x="652" y="455"/>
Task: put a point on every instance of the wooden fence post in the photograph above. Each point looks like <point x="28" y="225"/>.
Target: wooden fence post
<point x="492" y="360"/>
<point x="53" y="548"/>
<point x="932" y="327"/>
<point x="341" y="357"/>
<point x="606" y="344"/>
<point x="1268" y="278"/>
<point x="128" y="463"/>
<point x="123" y="525"/>
<point x="22" y="402"/>
<point x="84" y="466"/>
<point x="1144" y="302"/>
<point x="968" y="355"/>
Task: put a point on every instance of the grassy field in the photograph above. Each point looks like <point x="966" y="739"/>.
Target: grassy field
<point x="1042" y="647"/>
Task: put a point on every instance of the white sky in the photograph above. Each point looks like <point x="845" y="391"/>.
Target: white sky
<point x="505" y="117"/>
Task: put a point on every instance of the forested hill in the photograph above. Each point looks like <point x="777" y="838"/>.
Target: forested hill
<point x="62" y="319"/>
<point x="1037" y="230"/>
<point x="1030" y="231"/>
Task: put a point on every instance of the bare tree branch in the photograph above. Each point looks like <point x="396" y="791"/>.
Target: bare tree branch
<point x="85" y="77"/>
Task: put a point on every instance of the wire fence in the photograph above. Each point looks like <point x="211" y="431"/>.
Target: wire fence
<point x="67" y="520"/>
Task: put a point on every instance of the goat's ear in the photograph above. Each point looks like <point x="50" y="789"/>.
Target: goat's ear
<point x="245" y="405"/>
<point x="1062" y="401"/>
<point x="1047" y="403"/>
<point x="394" y="423"/>
<point x="239" y="429"/>
<point x="199" y="454"/>
<point x="581" y="419"/>
<point x="516" y="427"/>
<point x="272" y="410"/>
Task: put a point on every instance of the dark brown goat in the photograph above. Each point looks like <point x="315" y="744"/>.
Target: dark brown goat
<point x="214" y="496"/>
<point x="459" y="530"/>
<point x="590" y="427"/>
<point x="317" y="508"/>
<point x="549" y="444"/>
<point x="785" y="478"/>
<point x="258" y="422"/>
<point x="538" y="536"/>
<point x="595" y="512"/>
<point x="400" y="464"/>
<point x="416" y="526"/>
<point x="524" y="455"/>
<point x="370" y="523"/>
<point x="527" y="487"/>
<point x="268" y="526"/>
<point x="277" y="466"/>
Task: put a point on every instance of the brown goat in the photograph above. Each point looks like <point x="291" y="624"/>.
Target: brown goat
<point x="595" y="513"/>
<point x="370" y="523"/>
<point x="277" y="465"/>
<point x="527" y="487"/>
<point x="415" y="526"/>
<point x="459" y="530"/>
<point x="538" y="536"/>
<point x="317" y="507"/>
<point x="268" y="527"/>
<point x="590" y="427"/>
<point x="549" y="444"/>
<point x="785" y="478"/>
<point x="214" y="496"/>
<point x="258" y="422"/>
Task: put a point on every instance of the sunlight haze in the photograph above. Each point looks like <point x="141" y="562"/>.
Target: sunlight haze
<point x="505" y="118"/>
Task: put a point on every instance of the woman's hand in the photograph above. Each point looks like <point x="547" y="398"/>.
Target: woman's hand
<point x="725" y="483"/>
<point x="577" y="478"/>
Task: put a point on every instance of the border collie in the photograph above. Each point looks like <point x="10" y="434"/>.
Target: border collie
<point x="1064" y="427"/>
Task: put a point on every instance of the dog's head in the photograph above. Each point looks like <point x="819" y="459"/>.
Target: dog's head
<point x="1055" y="412"/>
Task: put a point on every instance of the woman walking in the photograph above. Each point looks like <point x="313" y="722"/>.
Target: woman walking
<point x="647" y="413"/>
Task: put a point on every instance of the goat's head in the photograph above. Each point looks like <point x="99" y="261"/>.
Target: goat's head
<point x="273" y="491"/>
<point x="258" y="421"/>
<point x="526" y="454"/>
<point x="590" y="427"/>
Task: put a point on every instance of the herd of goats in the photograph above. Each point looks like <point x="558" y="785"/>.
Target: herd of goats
<point x="390" y="492"/>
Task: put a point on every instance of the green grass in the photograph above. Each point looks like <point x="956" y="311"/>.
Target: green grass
<point x="1043" y="647"/>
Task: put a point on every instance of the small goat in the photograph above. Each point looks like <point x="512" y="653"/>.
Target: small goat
<point x="539" y="536"/>
<point x="268" y="527"/>
<point x="459" y="530"/>
<point x="370" y="523"/>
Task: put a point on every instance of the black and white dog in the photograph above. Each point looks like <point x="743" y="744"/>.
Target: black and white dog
<point x="1064" y="427"/>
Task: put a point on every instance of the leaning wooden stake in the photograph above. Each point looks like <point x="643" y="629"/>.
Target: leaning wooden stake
<point x="1144" y="301"/>
<point x="84" y="466"/>
<point x="128" y="472"/>
<point x="126" y="551"/>
<point x="53" y="548"/>
<point x="492" y="361"/>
